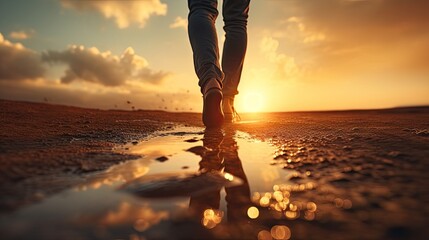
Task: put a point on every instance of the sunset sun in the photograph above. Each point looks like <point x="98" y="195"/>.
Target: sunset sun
<point x="251" y="101"/>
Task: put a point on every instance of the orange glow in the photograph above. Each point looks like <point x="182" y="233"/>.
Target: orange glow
<point x="280" y="232"/>
<point x="253" y="212"/>
<point x="211" y="218"/>
<point x="251" y="101"/>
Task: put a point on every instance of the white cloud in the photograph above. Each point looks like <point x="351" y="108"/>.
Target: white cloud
<point x="91" y="65"/>
<point x="180" y="22"/>
<point x="21" y="35"/>
<point x="124" y="13"/>
<point x="90" y="75"/>
<point x="285" y="65"/>
<point x="18" y="62"/>
<point x="297" y="27"/>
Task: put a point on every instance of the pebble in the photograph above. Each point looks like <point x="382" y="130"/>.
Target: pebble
<point x="347" y="148"/>
<point x="199" y="150"/>
<point x="161" y="159"/>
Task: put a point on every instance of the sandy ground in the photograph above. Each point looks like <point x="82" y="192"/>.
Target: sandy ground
<point x="376" y="159"/>
<point x="41" y="142"/>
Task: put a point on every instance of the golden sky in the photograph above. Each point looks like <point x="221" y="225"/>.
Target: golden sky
<point x="302" y="54"/>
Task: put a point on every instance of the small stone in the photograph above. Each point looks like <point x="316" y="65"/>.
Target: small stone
<point x="39" y="195"/>
<point x="347" y="148"/>
<point x="423" y="133"/>
<point x="198" y="150"/>
<point x="161" y="159"/>
<point x="394" y="153"/>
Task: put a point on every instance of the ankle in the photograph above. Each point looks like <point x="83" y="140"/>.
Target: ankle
<point x="210" y="84"/>
<point x="228" y="104"/>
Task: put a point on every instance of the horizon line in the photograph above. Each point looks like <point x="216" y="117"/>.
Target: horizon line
<point x="261" y="112"/>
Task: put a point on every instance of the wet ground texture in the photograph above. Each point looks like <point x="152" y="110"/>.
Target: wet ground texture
<point x="319" y="175"/>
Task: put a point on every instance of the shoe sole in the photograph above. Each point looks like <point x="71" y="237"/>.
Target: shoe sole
<point x="212" y="110"/>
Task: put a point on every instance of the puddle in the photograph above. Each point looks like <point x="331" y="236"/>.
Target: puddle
<point x="189" y="183"/>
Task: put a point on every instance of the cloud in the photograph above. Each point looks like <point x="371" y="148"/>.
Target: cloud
<point x="124" y="13"/>
<point x="285" y="66"/>
<point x="88" y="79"/>
<point x="21" y="35"/>
<point x="91" y="65"/>
<point x="90" y="95"/>
<point x="18" y="62"/>
<point x="343" y="39"/>
<point x="297" y="25"/>
<point x="391" y="17"/>
<point x="180" y="22"/>
<point x="349" y="24"/>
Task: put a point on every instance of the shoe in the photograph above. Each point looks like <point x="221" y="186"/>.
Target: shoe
<point x="229" y="111"/>
<point x="212" y="99"/>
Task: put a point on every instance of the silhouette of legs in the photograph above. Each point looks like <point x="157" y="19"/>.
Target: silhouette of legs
<point x="235" y="14"/>
<point x="204" y="43"/>
<point x="237" y="197"/>
<point x="202" y="35"/>
<point x="211" y="161"/>
<point x="223" y="156"/>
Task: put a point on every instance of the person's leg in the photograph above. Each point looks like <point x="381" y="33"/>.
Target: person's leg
<point x="202" y="35"/>
<point x="235" y="14"/>
<point x="203" y="38"/>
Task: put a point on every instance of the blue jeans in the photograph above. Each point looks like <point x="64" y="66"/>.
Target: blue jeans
<point x="203" y="38"/>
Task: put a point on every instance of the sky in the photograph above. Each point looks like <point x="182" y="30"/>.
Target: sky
<point x="302" y="54"/>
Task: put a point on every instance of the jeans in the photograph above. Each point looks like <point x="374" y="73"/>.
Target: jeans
<point x="204" y="43"/>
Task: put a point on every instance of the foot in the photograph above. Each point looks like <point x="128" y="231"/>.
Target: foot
<point x="212" y="110"/>
<point x="229" y="110"/>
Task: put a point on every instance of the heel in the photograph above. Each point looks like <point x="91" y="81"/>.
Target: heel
<point x="212" y="109"/>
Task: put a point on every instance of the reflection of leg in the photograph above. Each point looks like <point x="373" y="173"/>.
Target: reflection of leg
<point x="208" y="200"/>
<point x="238" y="197"/>
<point x="203" y="38"/>
<point x="211" y="161"/>
<point x="235" y="14"/>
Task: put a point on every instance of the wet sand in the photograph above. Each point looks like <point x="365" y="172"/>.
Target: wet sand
<point x="314" y="175"/>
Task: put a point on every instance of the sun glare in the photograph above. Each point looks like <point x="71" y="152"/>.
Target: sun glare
<point x="251" y="102"/>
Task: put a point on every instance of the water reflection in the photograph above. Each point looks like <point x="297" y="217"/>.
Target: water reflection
<point x="217" y="196"/>
<point x="304" y="191"/>
<point x="222" y="156"/>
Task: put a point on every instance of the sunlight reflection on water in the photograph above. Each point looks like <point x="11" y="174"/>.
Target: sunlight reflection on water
<point x="208" y="184"/>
